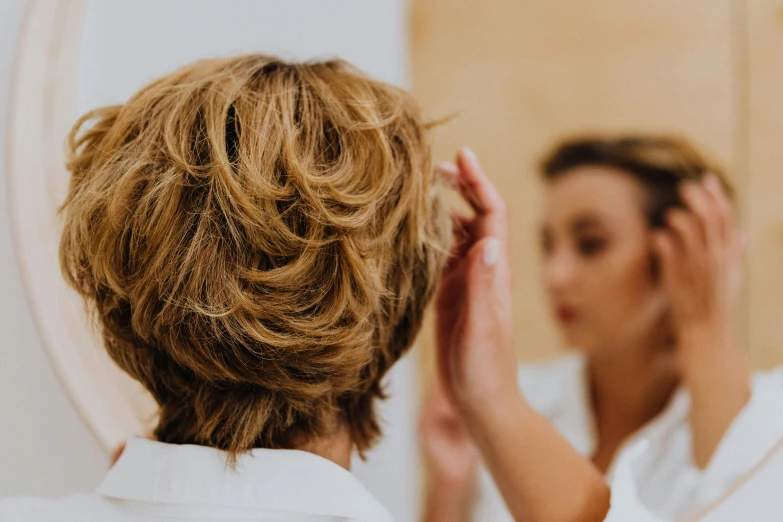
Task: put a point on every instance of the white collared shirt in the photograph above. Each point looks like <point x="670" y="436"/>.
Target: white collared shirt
<point x="665" y="480"/>
<point x="753" y="497"/>
<point x="757" y="499"/>
<point x="154" y="481"/>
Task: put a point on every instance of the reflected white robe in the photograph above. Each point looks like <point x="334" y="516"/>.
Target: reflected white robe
<point x="665" y="481"/>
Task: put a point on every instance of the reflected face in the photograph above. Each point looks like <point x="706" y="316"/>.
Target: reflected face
<point x="598" y="265"/>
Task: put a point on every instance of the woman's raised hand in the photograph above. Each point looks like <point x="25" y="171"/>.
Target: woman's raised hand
<point x="539" y="474"/>
<point x="476" y="359"/>
<point x="700" y="255"/>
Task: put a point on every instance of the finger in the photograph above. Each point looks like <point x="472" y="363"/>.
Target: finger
<point x="440" y="401"/>
<point x="461" y="224"/>
<point x="708" y="222"/>
<point x="715" y="190"/>
<point x="685" y="231"/>
<point x="461" y="227"/>
<point x="664" y="247"/>
<point x="449" y="172"/>
<point x="481" y="267"/>
<point x="739" y="243"/>
<point x="449" y="169"/>
<point x="737" y="251"/>
<point x="488" y="294"/>
<point x="476" y="187"/>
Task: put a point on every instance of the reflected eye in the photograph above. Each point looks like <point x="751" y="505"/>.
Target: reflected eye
<point x="591" y="246"/>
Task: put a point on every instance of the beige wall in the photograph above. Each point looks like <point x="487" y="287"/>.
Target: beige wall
<point x="527" y="73"/>
<point x="764" y="186"/>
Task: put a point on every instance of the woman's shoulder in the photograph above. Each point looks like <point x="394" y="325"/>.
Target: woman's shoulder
<point x="82" y="508"/>
<point x="546" y="384"/>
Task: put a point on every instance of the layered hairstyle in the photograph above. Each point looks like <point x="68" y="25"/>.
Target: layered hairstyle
<point x="659" y="162"/>
<point x="258" y="240"/>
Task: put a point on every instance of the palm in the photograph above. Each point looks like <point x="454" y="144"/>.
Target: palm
<point x="475" y="354"/>
<point x="450" y="453"/>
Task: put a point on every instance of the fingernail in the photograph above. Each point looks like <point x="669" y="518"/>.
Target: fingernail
<point x="469" y="154"/>
<point x="447" y="167"/>
<point x="492" y="251"/>
<point x="712" y="182"/>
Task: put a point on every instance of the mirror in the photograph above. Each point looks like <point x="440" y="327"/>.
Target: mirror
<point x="526" y="75"/>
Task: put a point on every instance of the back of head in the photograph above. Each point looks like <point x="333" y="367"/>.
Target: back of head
<point x="259" y="240"/>
<point x="659" y="163"/>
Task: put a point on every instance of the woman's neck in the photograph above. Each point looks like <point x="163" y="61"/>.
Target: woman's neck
<point x="336" y="447"/>
<point x="629" y="386"/>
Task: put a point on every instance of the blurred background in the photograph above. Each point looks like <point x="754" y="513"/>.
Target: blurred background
<point x="527" y="74"/>
<point x="521" y="75"/>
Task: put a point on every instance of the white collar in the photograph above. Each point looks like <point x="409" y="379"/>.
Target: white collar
<point x="568" y="405"/>
<point x="275" y="480"/>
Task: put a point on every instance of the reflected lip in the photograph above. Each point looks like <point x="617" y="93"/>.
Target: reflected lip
<point x="566" y="314"/>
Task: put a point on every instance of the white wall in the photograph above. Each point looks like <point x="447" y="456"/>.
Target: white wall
<point x="45" y="449"/>
<point x="129" y="43"/>
<point x="125" y="45"/>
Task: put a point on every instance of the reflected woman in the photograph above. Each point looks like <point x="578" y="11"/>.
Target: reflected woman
<point x="642" y="267"/>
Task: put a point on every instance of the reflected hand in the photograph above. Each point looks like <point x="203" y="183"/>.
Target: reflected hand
<point x="700" y="255"/>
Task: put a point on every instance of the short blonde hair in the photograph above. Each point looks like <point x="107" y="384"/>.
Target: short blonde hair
<point x="259" y="240"/>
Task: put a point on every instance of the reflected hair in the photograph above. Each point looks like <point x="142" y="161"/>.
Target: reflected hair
<point x="659" y="163"/>
<point x="258" y="240"/>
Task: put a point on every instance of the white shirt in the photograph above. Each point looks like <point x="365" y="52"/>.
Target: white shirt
<point x="664" y="478"/>
<point x="758" y="499"/>
<point x="755" y="496"/>
<point x="154" y="481"/>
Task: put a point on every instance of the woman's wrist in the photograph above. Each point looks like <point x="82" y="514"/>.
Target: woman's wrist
<point x="712" y="365"/>
<point x="451" y="488"/>
<point x="451" y="482"/>
<point x="705" y="347"/>
<point x="717" y="377"/>
<point x="450" y="500"/>
<point x="487" y="419"/>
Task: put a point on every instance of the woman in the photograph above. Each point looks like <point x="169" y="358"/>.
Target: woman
<point x="257" y="241"/>
<point x="642" y="266"/>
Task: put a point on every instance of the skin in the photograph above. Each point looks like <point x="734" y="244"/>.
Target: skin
<point x="529" y="460"/>
<point x="597" y="261"/>
<point x="599" y="274"/>
<point x="651" y="308"/>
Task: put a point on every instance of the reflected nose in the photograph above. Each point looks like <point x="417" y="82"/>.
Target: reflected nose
<point x="559" y="272"/>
